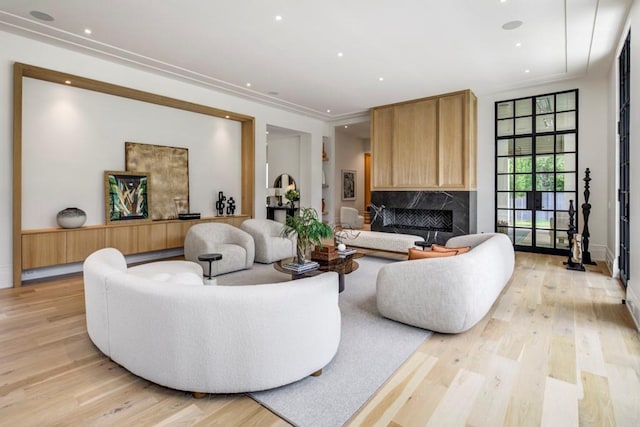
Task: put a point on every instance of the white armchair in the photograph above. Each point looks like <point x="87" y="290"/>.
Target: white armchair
<point x="236" y="246"/>
<point x="270" y="246"/>
<point x="349" y="218"/>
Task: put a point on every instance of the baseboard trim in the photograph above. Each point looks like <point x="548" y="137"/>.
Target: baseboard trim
<point x="6" y="276"/>
<point x="612" y="263"/>
<point x="633" y="305"/>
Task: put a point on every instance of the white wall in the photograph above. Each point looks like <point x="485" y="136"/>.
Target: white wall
<point x="73" y="135"/>
<point x="592" y="154"/>
<point x="21" y="49"/>
<point x="349" y="155"/>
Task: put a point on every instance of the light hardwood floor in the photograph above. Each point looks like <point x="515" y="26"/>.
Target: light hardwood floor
<point x="558" y="348"/>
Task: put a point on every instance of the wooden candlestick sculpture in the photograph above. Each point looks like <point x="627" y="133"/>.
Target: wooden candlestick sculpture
<point x="574" y="262"/>
<point x="586" y="210"/>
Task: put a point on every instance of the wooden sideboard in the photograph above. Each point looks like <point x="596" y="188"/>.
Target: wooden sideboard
<point x="55" y="246"/>
<point x="427" y="143"/>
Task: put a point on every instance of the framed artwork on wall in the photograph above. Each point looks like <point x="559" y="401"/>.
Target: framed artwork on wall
<point x="169" y="176"/>
<point x="348" y="185"/>
<point x="127" y="196"/>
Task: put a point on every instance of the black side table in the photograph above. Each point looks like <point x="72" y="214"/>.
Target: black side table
<point x="210" y="258"/>
<point x="422" y="244"/>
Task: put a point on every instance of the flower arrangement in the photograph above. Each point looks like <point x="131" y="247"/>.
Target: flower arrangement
<point x="293" y="196"/>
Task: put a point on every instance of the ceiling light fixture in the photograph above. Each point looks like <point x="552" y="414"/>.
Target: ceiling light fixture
<point x="87" y="31"/>
<point x="518" y="44"/>
<point x="340" y="54"/>
<point x="248" y="84"/>
<point x="381" y="79"/>
<point x="328" y="111"/>
<point x="278" y="18"/>
<point x="226" y="117"/>
<point x="346" y="126"/>
<point x="41" y="15"/>
<point x="67" y="82"/>
<point x="511" y="25"/>
<point x="527" y="71"/>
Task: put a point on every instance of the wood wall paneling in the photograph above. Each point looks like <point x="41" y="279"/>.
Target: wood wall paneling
<point x="451" y="137"/>
<point x="415" y="147"/>
<point x="382" y="145"/>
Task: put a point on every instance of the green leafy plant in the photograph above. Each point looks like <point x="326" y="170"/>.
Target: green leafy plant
<point x="309" y="230"/>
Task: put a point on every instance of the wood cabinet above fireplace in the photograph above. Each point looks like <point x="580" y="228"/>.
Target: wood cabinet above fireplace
<point x="427" y="143"/>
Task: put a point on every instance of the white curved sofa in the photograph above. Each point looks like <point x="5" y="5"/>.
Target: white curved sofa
<point x="236" y="246"/>
<point x="210" y="339"/>
<point x="270" y="246"/>
<point x="450" y="294"/>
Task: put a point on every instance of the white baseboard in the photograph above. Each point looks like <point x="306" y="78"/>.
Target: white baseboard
<point x="612" y="263"/>
<point x="58" y="270"/>
<point x="633" y="304"/>
<point x="6" y="276"/>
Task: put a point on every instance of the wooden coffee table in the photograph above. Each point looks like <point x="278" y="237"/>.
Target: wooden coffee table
<point x="342" y="265"/>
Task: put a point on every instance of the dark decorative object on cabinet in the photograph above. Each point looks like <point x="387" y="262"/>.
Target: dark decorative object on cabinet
<point x="220" y="203"/>
<point x="231" y="206"/>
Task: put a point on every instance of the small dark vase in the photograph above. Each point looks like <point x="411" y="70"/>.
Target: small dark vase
<point x="71" y="218"/>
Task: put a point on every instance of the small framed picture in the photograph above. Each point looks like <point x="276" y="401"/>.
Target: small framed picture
<point x="127" y="196"/>
<point x="348" y="185"/>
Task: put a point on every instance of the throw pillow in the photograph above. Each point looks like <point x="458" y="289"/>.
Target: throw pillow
<point x="458" y="250"/>
<point x="418" y="254"/>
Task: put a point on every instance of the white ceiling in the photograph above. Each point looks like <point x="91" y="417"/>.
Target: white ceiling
<point x="419" y="47"/>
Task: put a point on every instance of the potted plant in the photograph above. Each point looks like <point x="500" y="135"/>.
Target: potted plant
<point x="293" y="196"/>
<point x="309" y="230"/>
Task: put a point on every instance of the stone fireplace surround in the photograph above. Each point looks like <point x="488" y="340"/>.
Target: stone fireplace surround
<point x="434" y="215"/>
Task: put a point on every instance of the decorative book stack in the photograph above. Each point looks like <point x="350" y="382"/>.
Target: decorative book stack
<point x="301" y="268"/>
<point x="325" y="253"/>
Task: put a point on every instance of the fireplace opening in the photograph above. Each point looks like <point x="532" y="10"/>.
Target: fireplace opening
<point x="422" y="219"/>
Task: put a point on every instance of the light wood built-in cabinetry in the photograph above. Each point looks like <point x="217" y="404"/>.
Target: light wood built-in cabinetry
<point x="55" y="246"/>
<point x="427" y="143"/>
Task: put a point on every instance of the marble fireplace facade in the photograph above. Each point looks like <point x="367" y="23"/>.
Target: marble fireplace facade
<point x="434" y="215"/>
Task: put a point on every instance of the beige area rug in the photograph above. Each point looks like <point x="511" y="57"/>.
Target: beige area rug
<point x="371" y="349"/>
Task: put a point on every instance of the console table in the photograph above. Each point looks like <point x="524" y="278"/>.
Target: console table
<point x="271" y="211"/>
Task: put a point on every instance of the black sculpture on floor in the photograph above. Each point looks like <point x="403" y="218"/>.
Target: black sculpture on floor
<point x="574" y="262"/>
<point x="231" y="206"/>
<point x="220" y="203"/>
<point x="586" y="210"/>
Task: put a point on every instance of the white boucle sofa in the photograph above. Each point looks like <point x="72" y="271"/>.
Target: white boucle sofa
<point x="451" y="294"/>
<point x="210" y="339"/>
<point x="378" y="240"/>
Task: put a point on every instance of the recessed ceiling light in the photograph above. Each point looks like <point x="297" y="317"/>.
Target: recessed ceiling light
<point x="226" y="117"/>
<point x="41" y="15"/>
<point x="67" y="82"/>
<point x="328" y="111"/>
<point x="346" y="126"/>
<point x="503" y="1"/>
<point x="381" y="78"/>
<point x="267" y="132"/>
<point x="527" y="71"/>
<point x="87" y="31"/>
<point x="278" y="18"/>
<point x="511" y="25"/>
<point x="518" y="44"/>
<point x="248" y="84"/>
<point x="340" y="54"/>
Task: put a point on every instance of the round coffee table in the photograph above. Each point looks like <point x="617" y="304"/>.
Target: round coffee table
<point x="342" y="266"/>
<point x="210" y="258"/>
